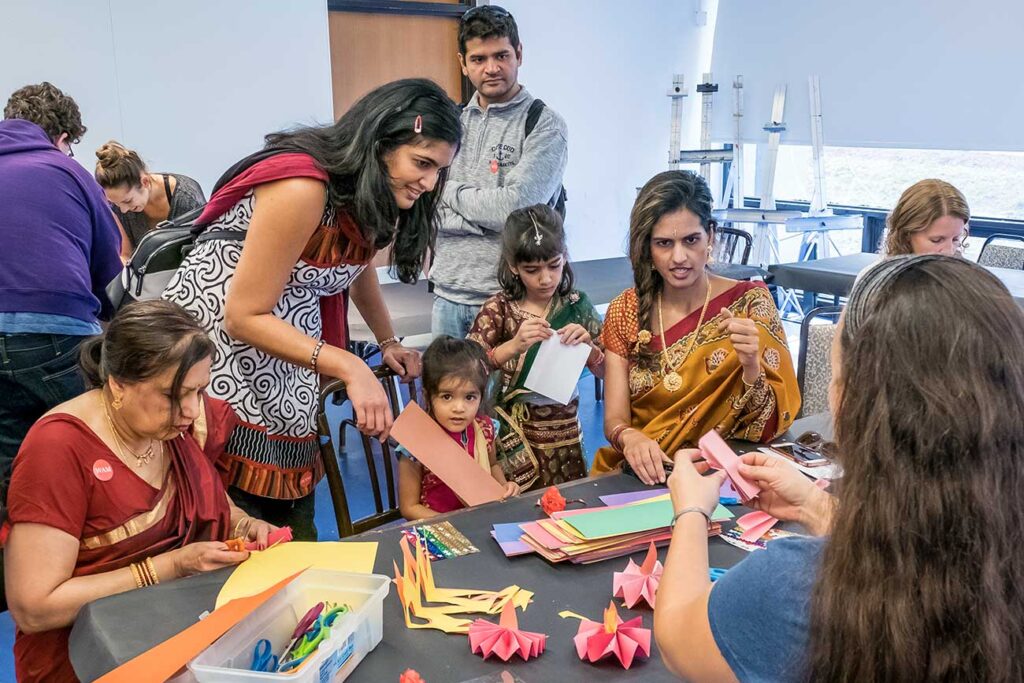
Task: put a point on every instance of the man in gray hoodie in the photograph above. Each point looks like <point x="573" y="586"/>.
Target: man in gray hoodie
<point x="498" y="169"/>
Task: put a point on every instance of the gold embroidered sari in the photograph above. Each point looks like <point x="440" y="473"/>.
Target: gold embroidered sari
<point x="713" y="395"/>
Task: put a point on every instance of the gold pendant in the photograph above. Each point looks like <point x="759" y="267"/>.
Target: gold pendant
<point x="672" y="382"/>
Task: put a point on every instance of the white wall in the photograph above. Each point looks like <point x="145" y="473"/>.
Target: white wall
<point x="192" y="85"/>
<point x="606" y="68"/>
<point x="901" y="73"/>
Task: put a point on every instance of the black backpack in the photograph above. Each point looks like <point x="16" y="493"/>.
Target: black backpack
<point x="557" y="202"/>
<point x="158" y="255"/>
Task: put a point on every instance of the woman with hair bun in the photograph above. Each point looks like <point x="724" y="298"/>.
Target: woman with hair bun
<point x="314" y="206"/>
<point x="120" y="487"/>
<point x="139" y="198"/>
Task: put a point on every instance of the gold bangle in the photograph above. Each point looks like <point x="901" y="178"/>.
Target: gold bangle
<point x="136" y="574"/>
<point x="152" y="571"/>
<point x="316" y="355"/>
<point x="390" y="341"/>
<point x="236" y="533"/>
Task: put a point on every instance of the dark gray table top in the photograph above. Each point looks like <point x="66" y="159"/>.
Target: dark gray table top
<point x="836" y="275"/>
<point x="111" y="631"/>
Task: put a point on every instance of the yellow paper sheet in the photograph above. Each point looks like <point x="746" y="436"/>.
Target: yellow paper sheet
<point x="265" y="568"/>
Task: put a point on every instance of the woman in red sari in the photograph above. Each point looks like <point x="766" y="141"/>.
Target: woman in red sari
<point x="119" y="487"/>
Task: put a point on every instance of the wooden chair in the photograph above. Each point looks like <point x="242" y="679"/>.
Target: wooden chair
<point x="385" y="501"/>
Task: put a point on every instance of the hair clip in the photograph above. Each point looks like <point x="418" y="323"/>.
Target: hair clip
<point x="536" y="230"/>
<point x="417" y="126"/>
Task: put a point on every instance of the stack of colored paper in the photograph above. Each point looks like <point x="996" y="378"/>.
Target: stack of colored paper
<point x="599" y="533"/>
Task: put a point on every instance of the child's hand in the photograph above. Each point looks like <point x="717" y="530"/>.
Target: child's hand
<point x="573" y="334"/>
<point x="531" y="332"/>
<point x="511" y="489"/>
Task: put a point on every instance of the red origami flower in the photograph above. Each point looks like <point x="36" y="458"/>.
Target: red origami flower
<point x="552" y="501"/>
<point x="410" y="676"/>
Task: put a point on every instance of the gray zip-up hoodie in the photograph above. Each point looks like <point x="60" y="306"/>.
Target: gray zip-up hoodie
<point x="496" y="171"/>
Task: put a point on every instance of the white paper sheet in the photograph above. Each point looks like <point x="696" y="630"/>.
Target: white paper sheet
<point x="557" y="368"/>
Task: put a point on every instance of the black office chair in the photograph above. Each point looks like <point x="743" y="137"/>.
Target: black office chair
<point x="1002" y="255"/>
<point x="814" y="362"/>
<point x="386" y="501"/>
<point x="727" y="245"/>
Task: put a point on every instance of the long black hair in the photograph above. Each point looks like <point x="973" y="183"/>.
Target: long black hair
<point x="352" y="151"/>
<point x="532" y="234"/>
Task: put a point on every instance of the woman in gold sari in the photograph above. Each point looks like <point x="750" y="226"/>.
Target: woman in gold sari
<point x="688" y="352"/>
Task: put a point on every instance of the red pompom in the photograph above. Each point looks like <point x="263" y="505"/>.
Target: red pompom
<point x="410" y="676"/>
<point x="552" y="501"/>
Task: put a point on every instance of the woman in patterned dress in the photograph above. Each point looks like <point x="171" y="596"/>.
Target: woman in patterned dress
<point x="687" y="351"/>
<point x="313" y="208"/>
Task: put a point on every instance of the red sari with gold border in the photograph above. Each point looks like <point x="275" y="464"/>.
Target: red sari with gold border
<point x="120" y="520"/>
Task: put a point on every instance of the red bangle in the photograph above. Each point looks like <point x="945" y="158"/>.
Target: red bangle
<point x="491" y="360"/>
<point x="616" y="435"/>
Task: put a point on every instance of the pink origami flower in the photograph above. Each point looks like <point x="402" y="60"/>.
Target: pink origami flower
<point x="638" y="581"/>
<point x="410" y="676"/>
<point x="596" y="641"/>
<point x="504" y="639"/>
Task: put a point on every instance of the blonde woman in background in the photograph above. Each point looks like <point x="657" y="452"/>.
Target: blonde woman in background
<point x="931" y="217"/>
<point x="141" y="199"/>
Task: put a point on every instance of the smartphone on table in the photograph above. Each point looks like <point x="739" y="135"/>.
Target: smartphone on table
<point x="801" y="455"/>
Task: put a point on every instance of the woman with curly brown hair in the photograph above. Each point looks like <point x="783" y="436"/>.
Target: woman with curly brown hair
<point x="931" y="217"/>
<point x="688" y="351"/>
<point x="916" y="570"/>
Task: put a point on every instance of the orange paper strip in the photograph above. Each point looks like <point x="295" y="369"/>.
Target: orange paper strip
<point x="164" y="660"/>
<point x="425" y="439"/>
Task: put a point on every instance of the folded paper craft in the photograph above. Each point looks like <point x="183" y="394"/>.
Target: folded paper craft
<point x="638" y="582"/>
<point x="282" y="535"/>
<point x="614" y="637"/>
<point x="721" y="457"/>
<point x="755" y="525"/>
<point x="415" y="586"/>
<point x="504" y="639"/>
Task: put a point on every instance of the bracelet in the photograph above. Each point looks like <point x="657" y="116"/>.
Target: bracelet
<point x="136" y="574"/>
<point x="148" y="564"/>
<point x="385" y="343"/>
<point x="600" y="358"/>
<point x="316" y="355"/>
<point x="692" y="508"/>
<point x="491" y="359"/>
<point x="616" y="435"/>
<point x="751" y="386"/>
<point x="243" y="518"/>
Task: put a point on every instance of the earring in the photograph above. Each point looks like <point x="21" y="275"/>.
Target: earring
<point x="117" y="403"/>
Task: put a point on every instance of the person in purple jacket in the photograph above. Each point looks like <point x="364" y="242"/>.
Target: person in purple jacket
<point x="60" y="249"/>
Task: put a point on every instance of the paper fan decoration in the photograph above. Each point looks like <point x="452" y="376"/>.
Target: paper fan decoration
<point x="504" y="639"/>
<point x="595" y="641"/>
<point x="755" y="525"/>
<point x="638" y="582"/>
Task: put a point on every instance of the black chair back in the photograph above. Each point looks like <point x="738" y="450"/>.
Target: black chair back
<point x="730" y="242"/>
<point x="385" y="501"/>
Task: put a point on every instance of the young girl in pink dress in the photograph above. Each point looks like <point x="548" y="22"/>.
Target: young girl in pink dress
<point x="455" y="373"/>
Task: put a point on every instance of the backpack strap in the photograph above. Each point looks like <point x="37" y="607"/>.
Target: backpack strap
<point x="533" y="115"/>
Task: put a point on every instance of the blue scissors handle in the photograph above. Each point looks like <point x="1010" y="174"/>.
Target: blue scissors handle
<point x="716" y="573"/>
<point x="263" y="657"/>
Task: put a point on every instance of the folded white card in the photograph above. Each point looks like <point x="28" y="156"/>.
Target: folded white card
<point x="556" y="369"/>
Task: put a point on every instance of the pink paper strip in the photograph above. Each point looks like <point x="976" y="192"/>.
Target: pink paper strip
<point x="721" y="457"/>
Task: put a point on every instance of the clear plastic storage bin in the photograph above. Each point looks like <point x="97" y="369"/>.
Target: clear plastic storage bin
<point x="229" y="659"/>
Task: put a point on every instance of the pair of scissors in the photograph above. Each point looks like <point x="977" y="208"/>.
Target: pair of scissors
<point x="716" y="573"/>
<point x="320" y="629"/>
<point x="263" y="657"/>
<point x="304" y="624"/>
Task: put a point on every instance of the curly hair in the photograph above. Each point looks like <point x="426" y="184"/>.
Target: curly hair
<point x="520" y="244"/>
<point x="920" y="205"/>
<point x="49" y="108"/>
<point x="663" y="194"/>
<point x="921" y="577"/>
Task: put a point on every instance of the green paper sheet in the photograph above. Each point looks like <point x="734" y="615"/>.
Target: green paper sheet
<point x="630" y="519"/>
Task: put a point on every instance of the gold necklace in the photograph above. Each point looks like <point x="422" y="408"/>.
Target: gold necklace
<point x="140" y="458"/>
<point x="672" y="381"/>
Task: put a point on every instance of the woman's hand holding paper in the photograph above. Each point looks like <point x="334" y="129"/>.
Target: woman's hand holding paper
<point x="645" y="456"/>
<point x="787" y="494"/>
<point x="688" y="485"/>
